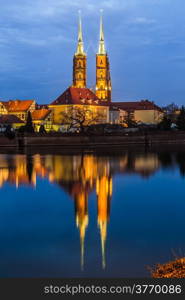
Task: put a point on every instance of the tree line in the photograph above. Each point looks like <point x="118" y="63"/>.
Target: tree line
<point x="173" y="118"/>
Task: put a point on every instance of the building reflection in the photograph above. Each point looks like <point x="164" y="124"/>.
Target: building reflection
<point x="81" y="175"/>
<point x="17" y="170"/>
<point x="82" y="220"/>
<point x="104" y="194"/>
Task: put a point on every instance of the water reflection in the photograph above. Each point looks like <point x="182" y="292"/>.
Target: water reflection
<point x="80" y="175"/>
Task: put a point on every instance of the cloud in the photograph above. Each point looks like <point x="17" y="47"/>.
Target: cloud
<point x="35" y="10"/>
<point x="143" y="21"/>
<point x="38" y="39"/>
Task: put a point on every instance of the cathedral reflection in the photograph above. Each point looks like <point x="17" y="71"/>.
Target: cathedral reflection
<point x="79" y="176"/>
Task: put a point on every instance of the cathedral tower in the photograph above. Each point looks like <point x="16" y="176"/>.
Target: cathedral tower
<point x="79" y="61"/>
<point x="103" y="80"/>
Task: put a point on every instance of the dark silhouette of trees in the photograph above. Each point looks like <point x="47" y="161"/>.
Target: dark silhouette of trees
<point x="166" y="159"/>
<point x="42" y="129"/>
<point x="170" y="109"/>
<point x="166" y="123"/>
<point x="129" y="120"/>
<point x="9" y="133"/>
<point x="29" y="124"/>
<point x="28" y="127"/>
<point x="181" y="119"/>
<point x="181" y="162"/>
<point x="29" y="167"/>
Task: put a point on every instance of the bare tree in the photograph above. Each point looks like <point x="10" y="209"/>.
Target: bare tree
<point x="129" y="120"/>
<point x="77" y="117"/>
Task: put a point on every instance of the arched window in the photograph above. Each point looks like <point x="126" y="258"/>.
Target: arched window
<point x="101" y="74"/>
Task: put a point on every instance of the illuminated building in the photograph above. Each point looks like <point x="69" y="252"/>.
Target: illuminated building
<point x="79" y="61"/>
<point x="78" y="96"/>
<point x="42" y="117"/>
<point x="20" y="108"/>
<point x="96" y="104"/>
<point x="104" y="193"/>
<point x="103" y="80"/>
<point x="82" y="220"/>
<point x="142" y="112"/>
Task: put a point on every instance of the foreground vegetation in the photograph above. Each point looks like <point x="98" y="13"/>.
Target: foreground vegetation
<point x="174" y="269"/>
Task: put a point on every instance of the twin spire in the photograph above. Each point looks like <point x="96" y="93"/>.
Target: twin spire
<point x="80" y="46"/>
<point x="101" y="49"/>
<point x="103" y="81"/>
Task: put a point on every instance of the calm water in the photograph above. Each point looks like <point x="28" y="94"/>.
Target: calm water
<point x="90" y="215"/>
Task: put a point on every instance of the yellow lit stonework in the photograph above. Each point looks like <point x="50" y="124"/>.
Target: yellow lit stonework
<point x="148" y="116"/>
<point x="3" y="109"/>
<point x="102" y="111"/>
<point x="103" y="82"/>
<point x="47" y="124"/>
<point x="17" y="125"/>
<point x="22" y="114"/>
<point x="79" y="61"/>
<point x="79" y="71"/>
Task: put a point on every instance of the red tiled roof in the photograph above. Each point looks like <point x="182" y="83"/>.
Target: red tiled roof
<point x="9" y="119"/>
<point x="81" y="96"/>
<point x="40" y="114"/>
<point x="19" y="105"/>
<point x="139" y="105"/>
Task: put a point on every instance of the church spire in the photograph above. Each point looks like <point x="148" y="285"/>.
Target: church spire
<point x="101" y="49"/>
<point x="80" y="46"/>
<point x="103" y="79"/>
<point x="79" y="61"/>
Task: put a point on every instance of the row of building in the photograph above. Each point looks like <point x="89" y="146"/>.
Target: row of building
<point x="78" y="96"/>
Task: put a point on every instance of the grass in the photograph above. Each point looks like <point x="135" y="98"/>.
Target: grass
<point x="173" y="269"/>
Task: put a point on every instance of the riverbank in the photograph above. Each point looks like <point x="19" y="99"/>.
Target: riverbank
<point x="95" y="141"/>
<point x="174" y="269"/>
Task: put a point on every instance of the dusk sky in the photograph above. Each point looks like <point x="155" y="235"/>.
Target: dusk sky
<point x="145" y="40"/>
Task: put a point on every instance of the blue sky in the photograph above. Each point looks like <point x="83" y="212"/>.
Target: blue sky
<point x="145" y="40"/>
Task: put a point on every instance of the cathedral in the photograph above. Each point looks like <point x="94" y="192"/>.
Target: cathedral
<point x="98" y="102"/>
<point x="78" y="95"/>
<point x="80" y="102"/>
<point x="103" y="81"/>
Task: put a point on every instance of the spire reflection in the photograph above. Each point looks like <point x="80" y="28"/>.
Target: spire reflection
<point x="80" y="176"/>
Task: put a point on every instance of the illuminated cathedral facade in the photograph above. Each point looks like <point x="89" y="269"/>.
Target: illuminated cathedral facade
<point x="96" y="105"/>
<point x="103" y="79"/>
<point x="78" y="95"/>
<point x="99" y="101"/>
